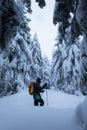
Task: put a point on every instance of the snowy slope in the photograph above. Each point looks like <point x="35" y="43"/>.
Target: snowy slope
<point x="17" y="112"/>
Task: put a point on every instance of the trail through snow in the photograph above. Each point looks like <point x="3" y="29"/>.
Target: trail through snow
<point x="18" y="113"/>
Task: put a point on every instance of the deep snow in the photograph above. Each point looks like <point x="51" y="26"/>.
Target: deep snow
<point x="59" y="113"/>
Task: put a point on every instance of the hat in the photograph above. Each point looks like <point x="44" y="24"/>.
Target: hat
<point x="38" y="80"/>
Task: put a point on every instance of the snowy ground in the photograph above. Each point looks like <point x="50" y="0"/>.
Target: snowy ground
<point x="18" y="113"/>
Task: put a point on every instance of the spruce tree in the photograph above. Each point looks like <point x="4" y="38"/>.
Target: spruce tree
<point x="46" y="71"/>
<point x="65" y="63"/>
<point x="62" y="11"/>
<point x="37" y="58"/>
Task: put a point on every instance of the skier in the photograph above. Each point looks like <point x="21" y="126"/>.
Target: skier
<point x="37" y="90"/>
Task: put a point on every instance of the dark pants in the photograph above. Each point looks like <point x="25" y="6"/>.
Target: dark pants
<point x="37" y="101"/>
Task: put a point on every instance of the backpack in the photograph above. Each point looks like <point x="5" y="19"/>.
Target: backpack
<point x="31" y="88"/>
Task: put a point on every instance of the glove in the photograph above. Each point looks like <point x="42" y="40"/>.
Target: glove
<point x="45" y="84"/>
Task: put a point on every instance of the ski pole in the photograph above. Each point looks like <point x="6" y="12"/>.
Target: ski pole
<point x="47" y="97"/>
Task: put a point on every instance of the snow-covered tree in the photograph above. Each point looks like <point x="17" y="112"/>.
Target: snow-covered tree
<point x="62" y="13"/>
<point x="14" y="39"/>
<point x="40" y="67"/>
<point x="46" y="71"/>
<point x="10" y="19"/>
<point x="15" y="55"/>
<point x="36" y="70"/>
<point x="19" y="59"/>
<point x="65" y="64"/>
<point x="69" y="14"/>
<point x="71" y="68"/>
<point x="81" y="17"/>
<point x="11" y="16"/>
<point x="56" y="69"/>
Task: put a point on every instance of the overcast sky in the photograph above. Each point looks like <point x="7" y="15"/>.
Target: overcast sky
<point x="41" y="23"/>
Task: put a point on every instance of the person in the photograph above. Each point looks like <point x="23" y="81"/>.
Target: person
<point x="37" y="90"/>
